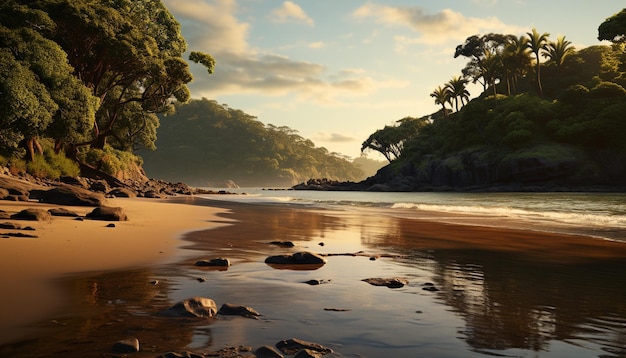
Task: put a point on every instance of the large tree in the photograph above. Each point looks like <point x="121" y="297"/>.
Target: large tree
<point x="537" y="43"/>
<point x="614" y="28"/>
<point x="126" y="52"/>
<point x="40" y="94"/>
<point x="442" y="96"/>
<point x="390" y="140"/>
<point x="557" y="52"/>
<point x="457" y="88"/>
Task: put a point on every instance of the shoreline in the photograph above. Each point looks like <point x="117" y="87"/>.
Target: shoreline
<point x="65" y="246"/>
<point x="202" y="227"/>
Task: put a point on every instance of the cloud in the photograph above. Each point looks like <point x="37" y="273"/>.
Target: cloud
<point x="439" y="28"/>
<point x="333" y="137"/>
<point x="290" y="12"/>
<point x="317" y="44"/>
<point x="213" y="26"/>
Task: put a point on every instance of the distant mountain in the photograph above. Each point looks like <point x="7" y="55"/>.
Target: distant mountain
<point x="211" y="145"/>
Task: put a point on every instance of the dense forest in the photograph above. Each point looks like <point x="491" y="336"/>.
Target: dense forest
<point x="207" y="144"/>
<point x="549" y="115"/>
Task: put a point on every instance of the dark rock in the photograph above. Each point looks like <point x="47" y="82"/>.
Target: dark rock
<point x="267" y="352"/>
<point x="308" y="353"/>
<point x="294" y="345"/>
<point x="100" y="186"/>
<point x="62" y="212"/>
<point x="32" y="214"/>
<point x="107" y="213"/>
<point x="235" y="310"/>
<point x="330" y="309"/>
<point x="220" y="261"/>
<point x="10" y="226"/>
<point x="126" y="346"/>
<point x="283" y="243"/>
<point x="111" y="225"/>
<point x="193" y="307"/>
<point x="18" y="234"/>
<point x="122" y="193"/>
<point x="70" y="195"/>
<point x="429" y="286"/>
<point x="299" y="258"/>
<point x="316" y="282"/>
<point x="81" y="182"/>
<point x="393" y="282"/>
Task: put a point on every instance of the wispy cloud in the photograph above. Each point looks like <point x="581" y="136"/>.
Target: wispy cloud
<point x="212" y="26"/>
<point x="291" y="12"/>
<point x="333" y="137"/>
<point x="440" y="28"/>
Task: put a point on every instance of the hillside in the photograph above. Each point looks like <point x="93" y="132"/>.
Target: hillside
<point x="207" y="144"/>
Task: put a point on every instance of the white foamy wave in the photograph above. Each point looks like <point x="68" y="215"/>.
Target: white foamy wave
<point x="591" y="219"/>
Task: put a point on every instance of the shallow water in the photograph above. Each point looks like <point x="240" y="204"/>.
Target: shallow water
<point x="492" y="300"/>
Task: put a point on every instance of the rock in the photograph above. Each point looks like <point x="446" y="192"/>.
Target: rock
<point x="235" y="310"/>
<point x="307" y="353"/>
<point x="220" y="261"/>
<point x="32" y="214"/>
<point x="393" y="282"/>
<point x="3" y="193"/>
<point x="332" y="309"/>
<point x="70" y="195"/>
<point x="80" y="182"/>
<point x="193" y="307"/>
<point x="62" y="212"/>
<point x="110" y="225"/>
<point x="126" y="346"/>
<point x="299" y="258"/>
<point x="122" y="193"/>
<point x="283" y="243"/>
<point x="267" y="352"/>
<point x="294" y="345"/>
<point x="10" y="226"/>
<point x="100" y="186"/>
<point x="429" y="286"/>
<point x="316" y="282"/>
<point x="107" y="213"/>
<point x="152" y="194"/>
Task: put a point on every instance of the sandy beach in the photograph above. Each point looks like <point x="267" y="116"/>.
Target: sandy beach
<point x="80" y="286"/>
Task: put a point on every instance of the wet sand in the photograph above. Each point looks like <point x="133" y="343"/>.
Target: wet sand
<point x="499" y="291"/>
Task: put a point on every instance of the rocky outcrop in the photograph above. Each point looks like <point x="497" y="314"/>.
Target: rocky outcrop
<point x="107" y="213"/>
<point x="547" y="167"/>
<point x="294" y="345"/>
<point x="237" y="310"/>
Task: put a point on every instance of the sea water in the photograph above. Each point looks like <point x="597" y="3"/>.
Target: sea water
<point x="601" y="215"/>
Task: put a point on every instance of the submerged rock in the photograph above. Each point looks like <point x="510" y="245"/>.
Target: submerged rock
<point x="201" y="307"/>
<point x="220" y="262"/>
<point x="392" y="282"/>
<point x="235" y="310"/>
<point x="294" y="345"/>
<point x="299" y="258"/>
<point x="283" y="243"/>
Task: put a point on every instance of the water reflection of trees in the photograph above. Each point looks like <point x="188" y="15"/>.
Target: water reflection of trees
<point x="512" y="300"/>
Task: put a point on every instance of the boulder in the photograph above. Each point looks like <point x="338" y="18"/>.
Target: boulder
<point x="294" y="345"/>
<point x="219" y="262"/>
<point x="307" y="353"/>
<point x="267" y="352"/>
<point x="32" y="214"/>
<point x="126" y="346"/>
<point x="283" y="243"/>
<point x="392" y="282"/>
<point x="235" y="310"/>
<point x="100" y="186"/>
<point x="71" y="195"/>
<point x="122" y="193"/>
<point x="193" y="307"/>
<point x="62" y="212"/>
<point x="299" y="258"/>
<point x="107" y="213"/>
<point x="10" y="226"/>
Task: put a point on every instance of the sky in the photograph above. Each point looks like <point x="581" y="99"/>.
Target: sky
<point x="338" y="70"/>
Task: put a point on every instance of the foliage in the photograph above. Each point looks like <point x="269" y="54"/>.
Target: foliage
<point x="110" y="160"/>
<point x="614" y="28"/>
<point x="204" y="142"/>
<point x="390" y="140"/>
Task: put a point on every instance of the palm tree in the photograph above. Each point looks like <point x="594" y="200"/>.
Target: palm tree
<point x="557" y="52"/>
<point x="457" y="88"/>
<point x="537" y="43"/>
<point x="516" y="60"/>
<point x="442" y="96"/>
<point x="492" y="70"/>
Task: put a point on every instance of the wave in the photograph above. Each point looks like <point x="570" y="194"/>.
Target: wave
<point x="588" y="218"/>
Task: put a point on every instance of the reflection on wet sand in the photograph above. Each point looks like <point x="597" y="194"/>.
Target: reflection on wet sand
<point x="500" y="292"/>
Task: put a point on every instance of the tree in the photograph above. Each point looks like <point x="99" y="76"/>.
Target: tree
<point x="614" y="28"/>
<point x="537" y="43"/>
<point x="42" y="96"/>
<point x="126" y="52"/>
<point x="557" y="52"/>
<point x="458" y="90"/>
<point x="442" y="96"/>
<point x="515" y="60"/>
<point x="390" y="140"/>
